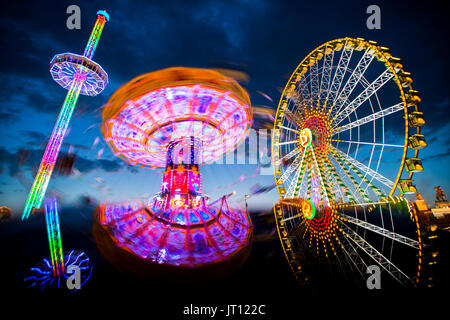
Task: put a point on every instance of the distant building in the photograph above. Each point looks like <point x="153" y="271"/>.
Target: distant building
<point x="441" y="212"/>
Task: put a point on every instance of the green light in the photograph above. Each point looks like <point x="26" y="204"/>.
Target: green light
<point x="308" y="209"/>
<point x="54" y="235"/>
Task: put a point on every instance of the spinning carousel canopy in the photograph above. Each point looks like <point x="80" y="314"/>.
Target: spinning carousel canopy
<point x="146" y="114"/>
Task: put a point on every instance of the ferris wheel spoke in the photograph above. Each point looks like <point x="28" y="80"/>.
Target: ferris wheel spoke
<point x="335" y="185"/>
<point x="295" y="118"/>
<point x="326" y="76"/>
<point x="375" y="255"/>
<point x="302" y="90"/>
<point x="302" y="188"/>
<point x="337" y="170"/>
<point x="297" y="229"/>
<point x="340" y="256"/>
<point x="286" y="142"/>
<point x="289" y="155"/>
<point x="352" y="185"/>
<point x="296" y="182"/>
<point x="379" y="230"/>
<point x="294" y="165"/>
<point x="308" y="184"/>
<point x="361" y="195"/>
<point x="362" y="97"/>
<point x="327" y="172"/>
<point x="289" y="129"/>
<point x="352" y="253"/>
<point x="298" y="101"/>
<point x="369" y="118"/>
<point x="326" y="179"/>
<point x="299" y="215"/>
<point x="314" y="84"/>
<point x="364" y="168"/>
<point x="357" y="171"/>
<point x="341" y="185"/>
<point x="334" y="179"/>
<point x="368" y="143"/>
<point x="319" y="174"/>
<point x="338" y="77"/>
<point x="352" y="81"/>
<point x="293" y="183"/>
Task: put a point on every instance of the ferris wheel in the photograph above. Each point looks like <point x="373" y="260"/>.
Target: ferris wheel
<point x="345" y="146"/>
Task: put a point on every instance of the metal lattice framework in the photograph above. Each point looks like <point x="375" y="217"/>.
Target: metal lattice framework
<point x="79" y="75"/>
<point x="346" y="138"/>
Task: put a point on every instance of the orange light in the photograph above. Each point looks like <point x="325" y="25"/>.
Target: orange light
<point x="177" y="202"/>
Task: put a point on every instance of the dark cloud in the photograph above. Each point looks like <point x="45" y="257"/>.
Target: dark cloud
<point x="8" y="160"/>
<point x="440" y="155"/>
<point x="84" y="165"/>
<point x="22" y="160"/>
<point x="7" y="117"/>
<point x="37" y="138"/>
<point x="34" y="137"/>
<point x="19" y="94"/>
<point x="132" y="169"/>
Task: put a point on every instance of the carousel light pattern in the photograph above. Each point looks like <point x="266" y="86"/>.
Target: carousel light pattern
<point x="212" y="111"/>
<point x="79" y="75"/>
<point x="177" y="119"/>
<point x="333" y="147"/>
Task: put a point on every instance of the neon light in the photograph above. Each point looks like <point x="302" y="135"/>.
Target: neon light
<point x="177" y="202"/>
<point x="95" y="36"/>
<point x="54" y="236"/>
<point x="197" y="203"/>
<point x="323" y="189"/>
<point x="42" y="276"/>
<point x="84" y="77"/>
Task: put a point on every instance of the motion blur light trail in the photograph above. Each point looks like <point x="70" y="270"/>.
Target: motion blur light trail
<point x="177" y="119"/>
<point x="54" y="236"/>
<point x="78" y="74"/>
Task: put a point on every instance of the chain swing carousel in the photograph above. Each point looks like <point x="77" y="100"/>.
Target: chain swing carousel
<point x="177" y="120"/>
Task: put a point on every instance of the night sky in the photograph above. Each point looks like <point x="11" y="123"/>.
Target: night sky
<point x="264" y="39"/>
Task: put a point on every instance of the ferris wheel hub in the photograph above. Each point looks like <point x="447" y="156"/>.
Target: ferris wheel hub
<point x="306" y="137"/>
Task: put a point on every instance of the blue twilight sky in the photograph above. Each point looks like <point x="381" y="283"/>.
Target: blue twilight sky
<point x="265" y="39"/>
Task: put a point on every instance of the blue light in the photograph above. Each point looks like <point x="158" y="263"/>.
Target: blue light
<point x="103" y="13"/>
